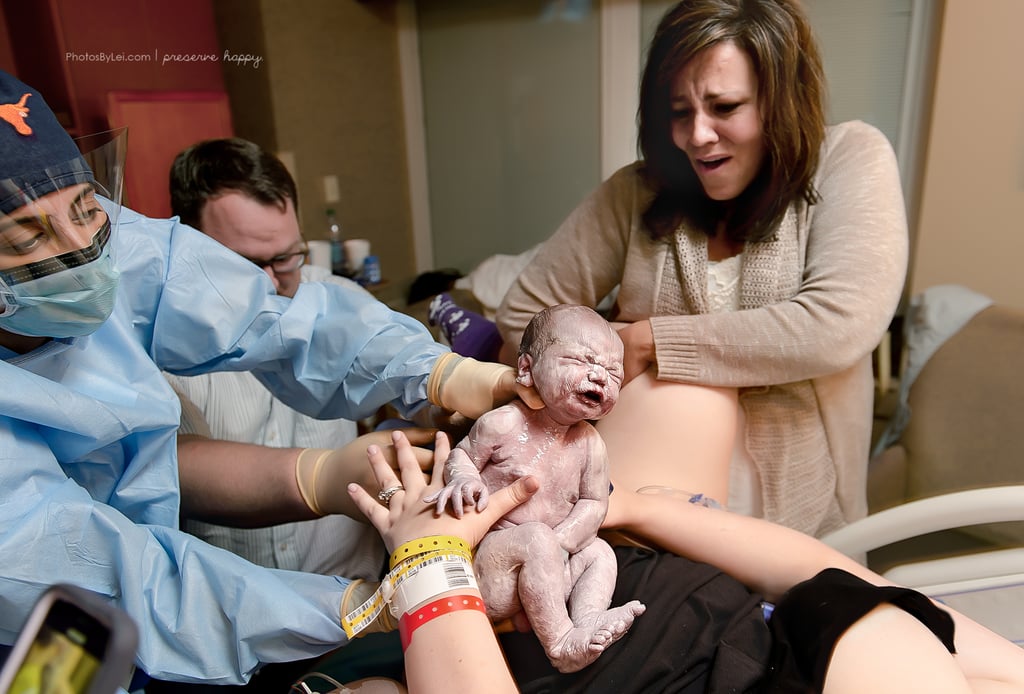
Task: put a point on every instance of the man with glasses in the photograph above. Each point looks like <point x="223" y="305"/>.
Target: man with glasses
<point x="243" y="196"/>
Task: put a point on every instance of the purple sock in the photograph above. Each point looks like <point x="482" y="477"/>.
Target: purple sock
<point x="468" y="333"/>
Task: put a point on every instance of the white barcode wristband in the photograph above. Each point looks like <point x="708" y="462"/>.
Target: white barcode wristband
<point x="430" y="581"/>
<point x="426" y="575"/>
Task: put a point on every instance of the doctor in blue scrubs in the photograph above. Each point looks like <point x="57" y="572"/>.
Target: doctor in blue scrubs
<point x="96" y="300"/>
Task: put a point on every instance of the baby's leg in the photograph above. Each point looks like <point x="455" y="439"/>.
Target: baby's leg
<point x="672" y="435"/>
<point x="522" y="568"/>
<point x="593" y="571"/>
<point x="541" y="586"/>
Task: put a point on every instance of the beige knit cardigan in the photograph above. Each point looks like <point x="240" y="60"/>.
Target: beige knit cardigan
<point x="815" y="300"/>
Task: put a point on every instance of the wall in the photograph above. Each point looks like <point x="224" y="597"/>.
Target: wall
<point x="327" y="97"/>
<point x="512" y="109"/>
<point x="971" y="229"/>
<point x="64" y="49"/>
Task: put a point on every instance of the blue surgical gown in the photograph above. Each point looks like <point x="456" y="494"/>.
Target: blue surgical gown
<point x="88" y="464"/>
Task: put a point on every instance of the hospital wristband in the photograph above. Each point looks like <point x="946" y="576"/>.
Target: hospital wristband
<point x="456" y="571"/>
<point x="450" y="572"/>
<point x="429" y="544"/>
<point x="411" y="621"/>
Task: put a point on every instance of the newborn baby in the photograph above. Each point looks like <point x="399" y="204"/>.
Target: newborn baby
<point x="545" y="554"/>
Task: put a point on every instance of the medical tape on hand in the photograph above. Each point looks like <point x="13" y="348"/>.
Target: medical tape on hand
<point x="434" y="573"/>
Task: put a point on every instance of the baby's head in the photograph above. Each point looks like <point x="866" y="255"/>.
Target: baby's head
<point x="573" y="359"/>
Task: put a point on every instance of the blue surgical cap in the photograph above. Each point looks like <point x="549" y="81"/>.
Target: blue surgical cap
<point x="37" y="156"/>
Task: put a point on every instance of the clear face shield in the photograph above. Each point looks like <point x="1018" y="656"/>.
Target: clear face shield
<point x="57" y="271"/>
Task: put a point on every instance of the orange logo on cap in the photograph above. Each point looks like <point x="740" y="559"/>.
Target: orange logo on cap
<point x="15" y="115"/>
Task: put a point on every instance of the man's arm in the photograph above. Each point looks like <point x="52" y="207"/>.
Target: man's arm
<point x="246" y="485"/>
<point x="241" y="485"/>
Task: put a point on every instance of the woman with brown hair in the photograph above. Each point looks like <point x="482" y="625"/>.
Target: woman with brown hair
<point x="755" y="250"/>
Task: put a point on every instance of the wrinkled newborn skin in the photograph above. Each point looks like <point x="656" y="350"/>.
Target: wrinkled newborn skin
<point x="573" y="360"/>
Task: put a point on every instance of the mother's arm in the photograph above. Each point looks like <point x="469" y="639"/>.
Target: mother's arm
<point x="766" y="557"/>
<point x="770" y="559"/>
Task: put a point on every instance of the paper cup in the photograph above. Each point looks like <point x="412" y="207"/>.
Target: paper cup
<point x="320" y="254"/>
<point x="356" y="251"/>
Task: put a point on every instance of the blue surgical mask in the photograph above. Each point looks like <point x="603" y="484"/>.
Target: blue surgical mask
<point x="70" y="303"/>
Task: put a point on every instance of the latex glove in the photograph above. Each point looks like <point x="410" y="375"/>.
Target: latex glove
<point x="468" y="386"/>
<point x="358" y="592"/>
<point x="323" y="474"/>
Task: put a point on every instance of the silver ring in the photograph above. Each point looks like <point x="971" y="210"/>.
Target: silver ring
<point x="385" y="494"/>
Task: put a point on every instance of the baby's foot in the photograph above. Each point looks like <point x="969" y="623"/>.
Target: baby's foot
<point x="592" y="634"/>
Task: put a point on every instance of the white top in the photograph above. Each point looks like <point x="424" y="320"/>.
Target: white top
<point x="744" y="480"/>
<point x="234" y="406"/>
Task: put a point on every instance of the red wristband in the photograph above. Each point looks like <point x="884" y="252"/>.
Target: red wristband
<point x="411" y="621"/>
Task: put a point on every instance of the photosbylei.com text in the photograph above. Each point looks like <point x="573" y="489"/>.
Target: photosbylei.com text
<point x="163" y="58"/>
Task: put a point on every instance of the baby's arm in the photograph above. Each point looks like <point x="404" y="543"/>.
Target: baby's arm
<point x="464" y="486"/>
<point x="580" y="527"/>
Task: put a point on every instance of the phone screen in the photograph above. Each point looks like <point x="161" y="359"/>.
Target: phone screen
<point x="65" y="654"/>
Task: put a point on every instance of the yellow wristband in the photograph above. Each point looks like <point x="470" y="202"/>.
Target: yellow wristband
<point x="429" y="544"/>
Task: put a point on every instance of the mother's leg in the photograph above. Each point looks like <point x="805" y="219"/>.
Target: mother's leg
<point x="889" y="650"/>
<point x="677" y="435"/>
<point x="991" y="663"/>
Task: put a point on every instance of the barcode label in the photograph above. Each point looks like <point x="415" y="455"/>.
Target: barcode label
<point x="434" y="575"/>
<point x="456" y="575"/>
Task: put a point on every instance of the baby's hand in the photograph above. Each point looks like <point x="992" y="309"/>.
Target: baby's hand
<point x="464" y="492"/>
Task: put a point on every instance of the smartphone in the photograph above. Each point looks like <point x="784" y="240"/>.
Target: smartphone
<point x="73" y="642"/>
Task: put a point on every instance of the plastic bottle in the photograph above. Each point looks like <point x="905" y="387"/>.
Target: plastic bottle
<point x="371" y="271"/>
<point x="337" y="246"/>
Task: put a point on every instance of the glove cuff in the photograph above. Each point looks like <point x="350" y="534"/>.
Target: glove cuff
<point x="307" y="472"/>
<point x="358" y="592"/>
<point x="443" y="368"/>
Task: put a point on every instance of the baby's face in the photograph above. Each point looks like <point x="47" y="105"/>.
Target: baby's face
<point x="578" y="376"/>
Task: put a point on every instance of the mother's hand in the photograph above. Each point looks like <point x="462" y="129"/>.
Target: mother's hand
<point x="407" y="517"/>
<point x="638" y="341"/>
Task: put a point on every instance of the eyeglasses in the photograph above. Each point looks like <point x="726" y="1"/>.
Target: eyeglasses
<point x="283" y="264"/>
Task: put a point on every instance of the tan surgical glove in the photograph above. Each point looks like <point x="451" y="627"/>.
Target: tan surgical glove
<point x="468" y="386"/>
<point x="358" y="592"/>
<point x="323" y="474"/>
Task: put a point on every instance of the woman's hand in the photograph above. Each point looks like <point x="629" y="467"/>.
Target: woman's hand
<point x="638" y="341"/>
<point x="407" y="517"/>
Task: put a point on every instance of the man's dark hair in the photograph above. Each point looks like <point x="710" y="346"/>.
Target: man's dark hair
<point x="213" y="167"/>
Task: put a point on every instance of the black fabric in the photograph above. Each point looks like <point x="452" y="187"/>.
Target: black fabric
<point x="276" y="677"/>
<point x="812" y="615"/>
<point x="702" y="632"/>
